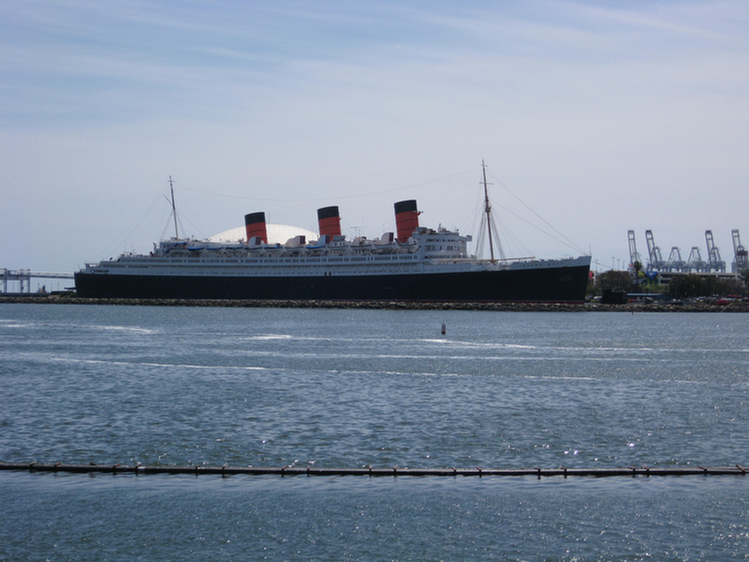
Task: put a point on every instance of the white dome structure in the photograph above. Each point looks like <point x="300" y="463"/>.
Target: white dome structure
<point x="277" y="234"/>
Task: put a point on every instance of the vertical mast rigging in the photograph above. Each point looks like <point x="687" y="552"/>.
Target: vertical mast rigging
<point x="488" y="211"/>
<point x="174" y="209"/>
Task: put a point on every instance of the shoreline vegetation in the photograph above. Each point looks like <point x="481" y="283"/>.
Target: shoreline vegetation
<point x="696" y="306"/>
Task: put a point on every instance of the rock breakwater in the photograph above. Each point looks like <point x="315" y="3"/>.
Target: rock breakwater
<point x="706" y="306"/>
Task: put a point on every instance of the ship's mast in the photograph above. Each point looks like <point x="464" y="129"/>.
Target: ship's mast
<point x="174" y="208"/>
<point x="488" y="211"/>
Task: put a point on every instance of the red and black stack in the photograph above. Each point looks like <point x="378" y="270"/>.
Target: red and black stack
<point x="406" y="219"/>
<point x="254" y="224"/>
<point x="329" y="222"/>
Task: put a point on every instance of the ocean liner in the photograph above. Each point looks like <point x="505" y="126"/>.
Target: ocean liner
<point x="416" y="264"/>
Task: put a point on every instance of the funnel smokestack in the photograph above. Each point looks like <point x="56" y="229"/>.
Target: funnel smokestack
<point x="329" y="221"/>
<point x="254" y="224"/>
<point x="406" y="219"/>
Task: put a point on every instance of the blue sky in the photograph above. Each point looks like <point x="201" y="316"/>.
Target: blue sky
<point x="593" y="118"/>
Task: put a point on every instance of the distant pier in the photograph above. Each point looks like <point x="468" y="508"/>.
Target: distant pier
<point x="24" y="276"/>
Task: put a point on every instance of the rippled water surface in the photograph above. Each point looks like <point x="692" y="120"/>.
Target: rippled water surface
<point x="339" y="388"/>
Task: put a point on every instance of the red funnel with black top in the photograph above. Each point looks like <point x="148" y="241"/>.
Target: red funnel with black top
<point x="254" y="224"/>
<point x="329" y="221"/>
<point x="406" y="219"/>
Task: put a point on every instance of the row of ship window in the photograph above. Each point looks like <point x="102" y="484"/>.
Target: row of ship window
<point x="272" y="261"/>
<point x="430" y="248"/>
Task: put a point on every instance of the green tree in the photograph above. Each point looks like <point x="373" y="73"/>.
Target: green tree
<point x="685" y="286"/>
<point x="637" y="266"/>
<point x="617" y="280"/>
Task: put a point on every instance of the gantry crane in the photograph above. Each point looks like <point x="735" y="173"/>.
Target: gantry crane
<point x="655" y="262"/>
<point x="634" y="257"/>
<point x="694" y="262"/>
<point x="713" y="254"/>
<point x="740" y="254"/>
<point x="675" y="263"/>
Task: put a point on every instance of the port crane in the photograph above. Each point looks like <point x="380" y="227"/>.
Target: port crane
<point x="654" y="253"/>
<point x="740" y="254"/>
<point x="675" y="263"/>
<point x="713" y="254"/>
<point x="634" y="256"/>
<point x="695" y="263"/>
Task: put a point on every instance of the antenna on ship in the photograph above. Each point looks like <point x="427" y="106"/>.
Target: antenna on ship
<point x="174" y="207"/>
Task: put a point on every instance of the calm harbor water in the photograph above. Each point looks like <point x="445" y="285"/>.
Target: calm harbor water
<point x="340" y="388"/>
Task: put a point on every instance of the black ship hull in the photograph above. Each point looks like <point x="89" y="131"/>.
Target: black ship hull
<point x="547" y="284"/>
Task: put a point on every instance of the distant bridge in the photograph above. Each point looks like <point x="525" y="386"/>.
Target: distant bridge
<point x="24" y="276"/>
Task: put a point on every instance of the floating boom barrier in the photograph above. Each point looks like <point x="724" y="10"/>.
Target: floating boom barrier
<point x="137" y="469"/>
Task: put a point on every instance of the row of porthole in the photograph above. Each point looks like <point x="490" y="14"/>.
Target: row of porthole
<point x="303" y="261"/>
